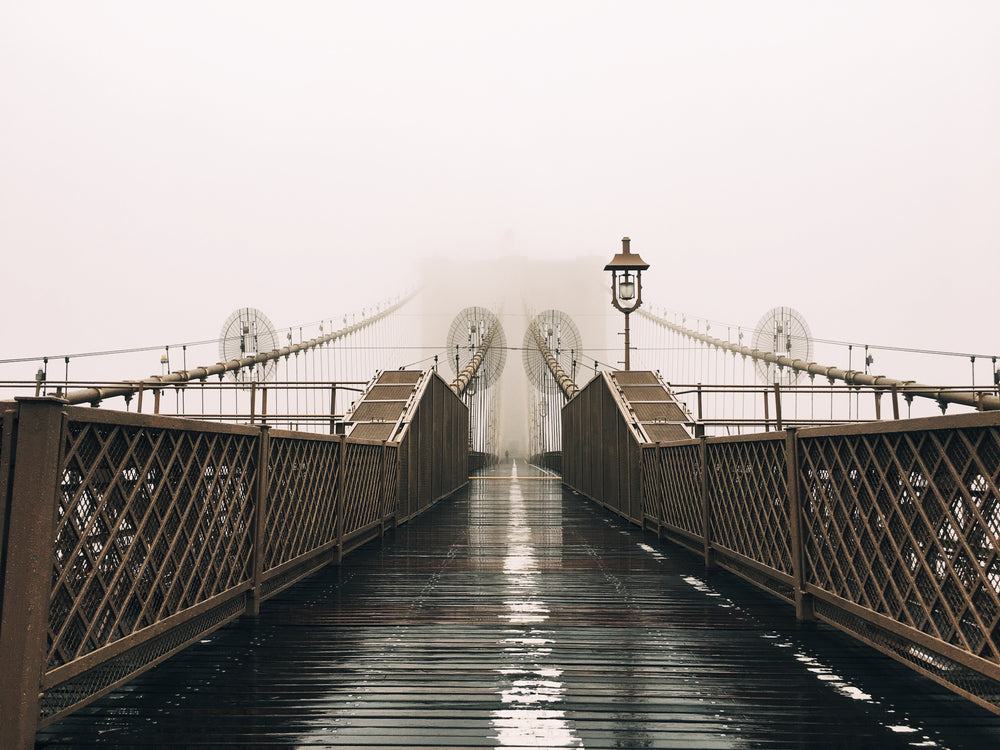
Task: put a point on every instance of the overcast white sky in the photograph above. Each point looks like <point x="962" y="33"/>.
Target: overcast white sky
<point x="162" y="163"/>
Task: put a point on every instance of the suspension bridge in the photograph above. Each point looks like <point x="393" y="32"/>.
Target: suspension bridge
<point x="337" y="535"/>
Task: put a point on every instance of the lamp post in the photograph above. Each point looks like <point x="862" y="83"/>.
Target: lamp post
<point x="626" y="285"/>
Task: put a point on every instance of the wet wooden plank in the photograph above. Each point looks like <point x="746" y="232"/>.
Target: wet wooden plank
<point x="517" y="615"/>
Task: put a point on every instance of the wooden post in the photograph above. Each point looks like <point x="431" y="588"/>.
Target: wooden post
<point x="28" y="579"/>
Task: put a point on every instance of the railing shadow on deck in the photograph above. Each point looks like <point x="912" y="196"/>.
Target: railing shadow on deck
<point x="124" y="538"/>
<point x="889" y="531"/>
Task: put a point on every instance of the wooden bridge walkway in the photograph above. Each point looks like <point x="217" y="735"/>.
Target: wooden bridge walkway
<point x="517" y="615"/>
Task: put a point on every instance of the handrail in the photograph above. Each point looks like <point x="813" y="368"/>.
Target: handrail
<point x="128" y="388"/>
<point x="981" y="401"/>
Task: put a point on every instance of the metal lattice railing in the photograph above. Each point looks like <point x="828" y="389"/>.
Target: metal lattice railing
<point x="367" y="465"/>
<point x="151" y="521"/>
<point x="672" y="489"/>
<point x="906" y="524"/>
<point x="748" y="496"/>
<point x="302" y="511"/>
<point x="126" y="537"/>
<point x="889" y="531"/>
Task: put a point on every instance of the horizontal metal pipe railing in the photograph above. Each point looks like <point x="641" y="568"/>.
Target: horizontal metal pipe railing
<point x="129" y="536"/>
<point x="889" y="531"/>
<point x="979" y="400"/>
<point x="94" y="396"/>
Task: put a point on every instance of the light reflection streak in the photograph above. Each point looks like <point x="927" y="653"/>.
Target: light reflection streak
<point x="530" y="719"/>
<point x="821" y="671"/>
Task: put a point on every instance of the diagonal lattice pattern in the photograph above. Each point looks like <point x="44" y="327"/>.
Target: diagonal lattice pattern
<point x="151" y="521"/>
<point x="748" y="494"/>
<point x="138" y="533"/>
<point x="672" y="487"/>
<point x="971" y="682"/>
<point x="82" y="688"/>
<point x="301" y="496"/>
<point x="370" y="486"/>
<point x="906" y="524"/>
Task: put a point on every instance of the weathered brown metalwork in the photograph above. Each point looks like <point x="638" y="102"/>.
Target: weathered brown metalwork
<point x="672" y="493"/>
<point x="979" y="400"/>
<point x="380" y="412"/>
<point x="889" y="531"/>
<point x="367" y="467"/>
<point x="803" y="601"/>
<point x="651" y="407"/>
<point x="564" y="381"/>
<point x="516" y="617"/>
<point x="625" y="263"/>
<point x="131" y="536"/>
<point x="598" y="446"/>
<point x="902" y="543"/>
<point x="602" y="430"/>
<point x="748" y="498"/>
<point x="153" y="519"/>
<point x="28" y="573"/>
<point x="303" y="498"/>
<point x="429" y="421"/>
<point x="462" y="380"/>
<point x="8" y="415"/>
<point x="433" y="446"/>
<point x="128" y="388"/>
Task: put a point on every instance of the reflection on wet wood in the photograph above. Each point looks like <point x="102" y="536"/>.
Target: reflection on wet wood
<point x="518" y="615"/>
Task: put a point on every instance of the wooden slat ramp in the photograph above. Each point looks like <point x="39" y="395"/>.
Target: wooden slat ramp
<point x="518" y="615"/>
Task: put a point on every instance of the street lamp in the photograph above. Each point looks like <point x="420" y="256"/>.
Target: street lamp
<point x="626" y="285"/>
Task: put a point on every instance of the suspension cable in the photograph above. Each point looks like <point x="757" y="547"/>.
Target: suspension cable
<point x="981" y="401"/>
<point x="462" y="380"/>
<point x="564" y="381"/>
<point x="128" y="388"/>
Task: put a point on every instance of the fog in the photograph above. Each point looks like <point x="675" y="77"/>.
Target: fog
<point x="166" y="163"/>
<point x="518" y="289"/>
